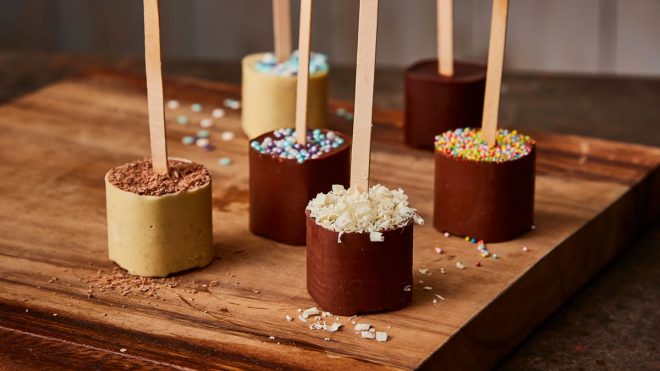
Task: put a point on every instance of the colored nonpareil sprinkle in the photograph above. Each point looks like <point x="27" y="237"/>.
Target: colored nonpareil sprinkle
<point x="206" y="123"/>
<point x="203" y="134"/>
<point x="343" y="113"/>
<point x="232" y="103"/>
<point x="172" y="104"/>
<point x="268" y="64"/>
<point x="283" y="144"/>
<point x="469" y="144"/>
<point x="218" y="113"/>
<point x="182" y="119"/>
<point x="196" y="107"/>
<point x="227" y="135"/>
<point x="224" y="161"/>
<point x="188" y="140"/>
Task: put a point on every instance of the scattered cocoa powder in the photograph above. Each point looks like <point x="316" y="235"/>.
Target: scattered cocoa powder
<point x="138" y="177"/>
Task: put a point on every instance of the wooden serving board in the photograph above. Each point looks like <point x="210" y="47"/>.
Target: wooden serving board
<point x="593" y="197"/>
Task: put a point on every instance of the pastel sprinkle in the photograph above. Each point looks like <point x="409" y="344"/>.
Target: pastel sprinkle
<point x="318" y="63"/>
<point x="182" y="119"/>
<point x="218" y="113"/>
<point x="206" y="123"/>
<point x="202" y="142"/>
<point x="187" y="140"/>
<point x="439" y="250"/>
<point x="196" y="107"/>
<point x="203" y="134"/>
<point x="460" y="265"/>
<point x="468" y="143"/>
<point x="283" y="144"/>
<point x="525" y="249"/>
<point x="224" y="161"/>
<point x="232" y="103"/>
<point x="172" y="104"/>
<point x="227" y="135"/>
<point x="446" y="234"/>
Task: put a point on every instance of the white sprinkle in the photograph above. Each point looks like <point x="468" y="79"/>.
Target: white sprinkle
<point x="202" y="142"/>
<point x="288" y="318"/>
<point x="218" y="113"/>
<point x="27" y="310"/>
<point x="368" y="335"/>
<point x="460" y="265"/>
<point x="381" y="336"/>
<point x="362" y="327"/>
<point x="326" y="339"/>
<point x="525" y="249"/>
<point x="442" y="271"/>
<point x="424" y="271"/>
<point x="271" y="337"/>
<point x="326" y="314"/>
<point x="206" y="123"/>
<point x="439" y="297"/>
<point x="339" y="237"/>
<point x="54" y="314"/>
<point x="439" y="250"/>
<point x="376" y="237"/>
<point x="172" y="104"/>
<point x="299" y="310"/>
<point x="123" y="350"/>
<point x="227" y="135"/>
<point x="407" y="288"/>
<point x="533" y="227"/>
<point x="446" y="234"/>
<point x="435" y="301"/>
<point x="428" y="288"/>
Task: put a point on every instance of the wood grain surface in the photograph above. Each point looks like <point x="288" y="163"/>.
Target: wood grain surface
<point x="56" y="145"/>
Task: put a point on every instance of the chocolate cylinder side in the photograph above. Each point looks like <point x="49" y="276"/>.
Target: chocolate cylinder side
<point x="280" y="190"/>
<point x="154" y="236"/>
<point x="269" y="101"/>
<point x="435" y="103"/>
<point x="490" y="201"/>
<point x="357" y="275"/>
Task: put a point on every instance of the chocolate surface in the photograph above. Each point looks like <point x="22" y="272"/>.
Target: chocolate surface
<point x="436" y="103"/>
<point x="357" y="275"/>
<point x="281" y="188"/>
<point x="138" y="177"/>
<point x="490" y="201"/>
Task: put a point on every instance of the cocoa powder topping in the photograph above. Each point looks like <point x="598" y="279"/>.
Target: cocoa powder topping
<point x="138" y="177"/>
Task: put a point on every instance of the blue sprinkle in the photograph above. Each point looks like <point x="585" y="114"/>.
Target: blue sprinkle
<point x="188" y="140"/>
<point x="203" y="134"/>
<point x="224" y="161"/>
<point x="196" y="107"/>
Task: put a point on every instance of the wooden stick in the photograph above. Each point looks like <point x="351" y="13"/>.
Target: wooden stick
<point x="364" y="94"/>
<point x="282" y="29"/>
<point x="494" y="70"/>
<point x="303" y="70"/>
<point x="155" y="87"/>
<point x="445" y="39"/>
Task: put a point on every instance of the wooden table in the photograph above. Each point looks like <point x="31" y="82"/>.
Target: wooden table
<point x="53" y="246"/>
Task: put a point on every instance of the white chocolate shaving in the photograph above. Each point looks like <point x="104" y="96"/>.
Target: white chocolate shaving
<point x="381" y="336"/>
<point x="376" y="237"/>
<point x="349" y="211"/>
<point x="362" y="327"/>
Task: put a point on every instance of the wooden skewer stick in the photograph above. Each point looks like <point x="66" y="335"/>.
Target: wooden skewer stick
<point x="364" y="94"/>
<point x="494" y="70"/>
<point x="303" y="70"/>
<point x="282" y="29"/>
<point x="445" y="39"/>
<point x="155" y="98"/>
